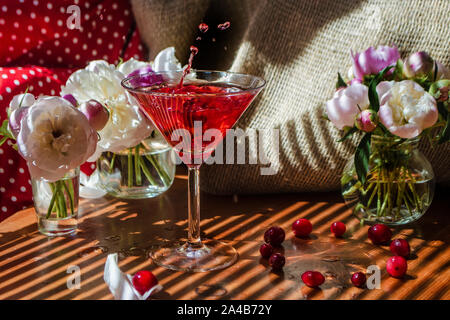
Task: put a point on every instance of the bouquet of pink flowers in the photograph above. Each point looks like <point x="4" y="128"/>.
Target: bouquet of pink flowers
<point x="392" y="103"/>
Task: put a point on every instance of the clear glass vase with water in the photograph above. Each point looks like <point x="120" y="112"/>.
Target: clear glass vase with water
<point x="399" y="186"/>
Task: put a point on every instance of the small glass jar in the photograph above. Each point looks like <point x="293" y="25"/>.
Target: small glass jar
<point x="399" y="186"/>
<point x="56" y="204"/>
<point x="144" y="171"/>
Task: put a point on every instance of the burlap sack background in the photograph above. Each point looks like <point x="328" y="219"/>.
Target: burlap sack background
<point x="298" y="47"/>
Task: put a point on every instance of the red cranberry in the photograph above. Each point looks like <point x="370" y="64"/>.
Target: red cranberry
<point x="400" y="247"/>
<point x="302" y="228"/>
<point x="396" y="266"/>
<point x="274" y="236"/>
<point x="266" y="250"/>
<point x="359" y="279"/>
<point x="277" y="261"/>
<point x="313" y="278"/>
<point x="144" y="280"/>
<point x="203" y="27"/>
<point x="338" y="228"/>
<point x="379" y="233"/>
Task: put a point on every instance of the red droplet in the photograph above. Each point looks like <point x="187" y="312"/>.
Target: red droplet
<point x="203" y="27"/>
<point x="224" y="25"/>
<point x="194" y="50"/>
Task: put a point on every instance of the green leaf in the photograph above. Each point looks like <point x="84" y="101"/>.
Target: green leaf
<point x="442" y="109"/>
<point x="340" y="82"/>
<point x="348" y="133"/>
<point x="4" y="130"/>
<point x="373" y="95"/>
<point x="398" y="71"/>
<point x="362" y="158"/>
<point x="435" y="71"/>
<point x="3" y="140"/>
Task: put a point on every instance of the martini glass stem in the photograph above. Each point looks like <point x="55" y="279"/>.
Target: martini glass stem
<point x="194" y="207"/>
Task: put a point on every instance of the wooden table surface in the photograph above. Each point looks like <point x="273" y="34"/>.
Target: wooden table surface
<point x="33" y="266"/>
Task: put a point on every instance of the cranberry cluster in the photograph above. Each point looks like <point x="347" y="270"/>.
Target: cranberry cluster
<point x="396" y="266"/>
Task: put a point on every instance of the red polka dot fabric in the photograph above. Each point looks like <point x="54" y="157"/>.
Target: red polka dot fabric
<point x="41" y="43"/>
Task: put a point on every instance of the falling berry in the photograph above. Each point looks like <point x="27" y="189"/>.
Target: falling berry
<point x="396" y="266"/>
<point x="144" y="280"/>
<point x="266" y="250"/>
<point x="203" y="27"/>
<point x="275" y="236"/>
<point x="224" y="25"/>
<point x="379" y="233"/>
<point x="338" y="228"/>
<point x="313" y="278"/>
<point x="277" y="261"/>
<point x="359" y="279"/>
<point x="302" y="228"/>
<point x="400" y="247"/>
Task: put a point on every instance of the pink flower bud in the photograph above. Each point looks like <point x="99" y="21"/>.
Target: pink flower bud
<point x="367" y="120"/>
<point x="71" y="99"/>
<point x="15" y="118"/>
<point x="96" y="114"/>
<point x="418" y="64"/>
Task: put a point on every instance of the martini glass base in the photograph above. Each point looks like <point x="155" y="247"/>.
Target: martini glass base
<point x="208" y="256"/>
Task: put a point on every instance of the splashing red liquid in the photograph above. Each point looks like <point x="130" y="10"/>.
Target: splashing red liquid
<point x="194" y="51"/>
<point x="224" y="25"/>
<point x="203" y="27"/>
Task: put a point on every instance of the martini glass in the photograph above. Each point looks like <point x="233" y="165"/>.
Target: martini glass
<point x="193" y="114"/>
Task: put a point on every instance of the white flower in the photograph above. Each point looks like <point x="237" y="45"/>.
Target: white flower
<point x="166" y="61"/>
<point x="54" y="138"/>
<point x="406" y="109"/>
<point x="127" y="126"/>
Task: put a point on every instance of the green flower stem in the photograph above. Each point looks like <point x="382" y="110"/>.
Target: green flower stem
<point x="137" y="160"/>
<point x="147" y="173"/>
<point x="130" y="167"/>
<point x="60" y="192"/>
<point x="111" y="165"/>
<point x="69" y="194"/>
<point x="61" y="200"/>
<point x="162" y="174"/>
<point x="52" y="201"/>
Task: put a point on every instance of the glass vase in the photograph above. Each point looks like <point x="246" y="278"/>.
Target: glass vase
<point x="56" y="204"/>
<point x="399" y="186"/>
<point x="144" y="171"/>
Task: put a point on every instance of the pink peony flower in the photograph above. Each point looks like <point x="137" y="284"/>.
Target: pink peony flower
<point x="54" y="138"/>
<point x="406" y="109"/>
<point x="343" y="108"/>
<point x="374" y="60"/>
